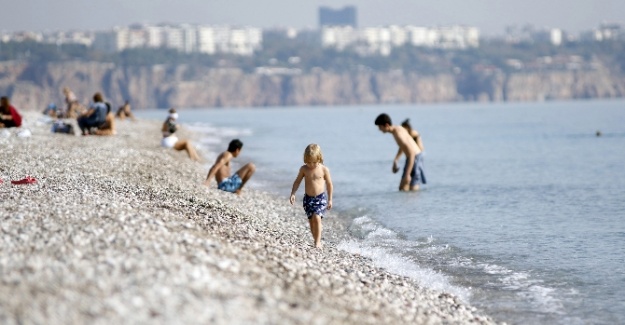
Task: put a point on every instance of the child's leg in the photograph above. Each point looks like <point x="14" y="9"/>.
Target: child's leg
<point x="315" y="229"/>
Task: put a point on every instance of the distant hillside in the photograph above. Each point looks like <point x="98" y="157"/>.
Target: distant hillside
<point x="34" y="85"/>
<point x="300" y="72"/>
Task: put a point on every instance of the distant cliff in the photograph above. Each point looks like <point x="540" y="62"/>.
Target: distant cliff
<point x="33" y="86"/>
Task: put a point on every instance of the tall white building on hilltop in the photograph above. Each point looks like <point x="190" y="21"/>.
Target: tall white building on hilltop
<point x="184" y="38"/>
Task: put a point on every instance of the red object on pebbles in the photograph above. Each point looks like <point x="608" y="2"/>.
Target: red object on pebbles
<point x="27" y="180"/>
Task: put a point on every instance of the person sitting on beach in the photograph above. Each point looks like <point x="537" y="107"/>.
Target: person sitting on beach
<point x="415" y="136"/>
<point x="170" y="140"/>
<point x="108" y="127"/>
<point x="413" y="169"/>
<point x="124" y="112"/>
<point x="72" y="104"/>
<point x="315" y="202"/>
<point x="221" y="170"/>
<point x="9" y="117"/>
<point x="51" y="110"/>
<point x="94" y="117"/>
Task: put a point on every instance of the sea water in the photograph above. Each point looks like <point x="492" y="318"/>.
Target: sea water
<point x="523" y="215"/>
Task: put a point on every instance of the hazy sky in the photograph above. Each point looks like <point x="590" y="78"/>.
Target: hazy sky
<point x="490" y="16"/>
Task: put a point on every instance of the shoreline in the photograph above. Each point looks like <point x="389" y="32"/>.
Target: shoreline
<point x="118" y="229"/>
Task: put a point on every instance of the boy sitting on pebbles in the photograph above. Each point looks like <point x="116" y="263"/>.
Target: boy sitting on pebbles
<point x="221" y="170"/>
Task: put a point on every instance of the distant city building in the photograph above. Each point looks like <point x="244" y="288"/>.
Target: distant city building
<point x="556" y="36"/>
<point x="58" y="38"/>
<point x="337" y="17"/>
<point x="553" y="36"/>
<point x="528" y="34"/>
<point x="338" y="37"/>
<point x="605" y="32"/>
<point x="516" y="34"/>
<point x="381" y="40"/>
<point x="338" y="31"/>
<point x="184" y="38"/>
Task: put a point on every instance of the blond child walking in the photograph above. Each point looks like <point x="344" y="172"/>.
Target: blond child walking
<point x="317" y="182"/>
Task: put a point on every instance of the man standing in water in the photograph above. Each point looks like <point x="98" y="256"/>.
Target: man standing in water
<point x="413" y="169"/>
<point x="221" y="170"/>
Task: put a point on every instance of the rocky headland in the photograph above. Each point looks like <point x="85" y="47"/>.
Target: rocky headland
<point x="34" y="85"/>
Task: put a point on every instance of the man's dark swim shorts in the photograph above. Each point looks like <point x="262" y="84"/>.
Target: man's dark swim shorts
<point x="417" y="174"/>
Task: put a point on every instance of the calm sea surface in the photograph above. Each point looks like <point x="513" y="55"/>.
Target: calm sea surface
<point x="523" y="215"/>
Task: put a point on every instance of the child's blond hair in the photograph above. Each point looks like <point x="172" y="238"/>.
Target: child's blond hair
<point x="313" y="154"/>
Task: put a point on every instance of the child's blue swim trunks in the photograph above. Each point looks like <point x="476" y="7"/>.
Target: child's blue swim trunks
<point x="230" y="184"/>
<point x="315" y="204"/>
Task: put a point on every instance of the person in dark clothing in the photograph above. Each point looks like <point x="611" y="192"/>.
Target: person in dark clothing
<point x="94" y="116"/>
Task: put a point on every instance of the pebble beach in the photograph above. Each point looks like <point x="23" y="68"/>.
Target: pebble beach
<point x="117" y="230"/>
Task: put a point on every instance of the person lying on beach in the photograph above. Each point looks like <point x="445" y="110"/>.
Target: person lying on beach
<point x="221" y="170"/>
<point x="413" y="169"/>
<point x="170" y="140"/>
<point x="316" y="176"/>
